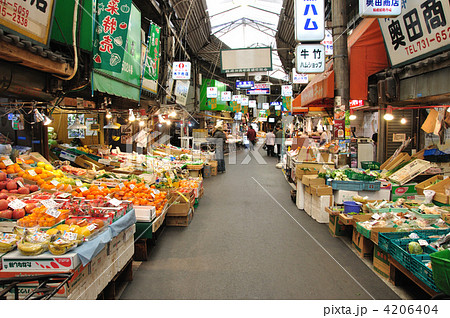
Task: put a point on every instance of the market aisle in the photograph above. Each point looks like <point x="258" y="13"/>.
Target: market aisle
<point x="242" y="245"/>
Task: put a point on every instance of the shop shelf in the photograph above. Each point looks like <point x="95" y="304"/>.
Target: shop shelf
<point x="423" y="272"/>
<point x="372" y="165"/>
<point x="440" y="262"/>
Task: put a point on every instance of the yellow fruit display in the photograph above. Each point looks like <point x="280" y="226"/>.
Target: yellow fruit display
<point x="83" y="231"/>
<point x="63" y="227"/>
<point x="52" y="231"/>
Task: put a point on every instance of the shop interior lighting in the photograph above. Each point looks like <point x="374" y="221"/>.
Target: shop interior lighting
<point x="448" y="109"/>
<point x="352" y="115"/>
<point x="112" y="125"/>
<point x="173" y="114"/>
<point x="388" y="116"/>
<point x="77" y="125"/>
<point x="161" y="119"/>
<point x="141" y="122"/>
<point x="47" y="120"/>
<point x="403" y="121"/>
<point x="159" y="125"/>
<point x="190" y="124"/>
<point x="108" y="114"/>
<point x="38" y="116"/>
<point x="168" y="122"/>
<point x="131" y="116"/>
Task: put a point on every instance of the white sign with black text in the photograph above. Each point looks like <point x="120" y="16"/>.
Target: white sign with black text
<point x="310" y="58"/>
<point x="380" y="8"/>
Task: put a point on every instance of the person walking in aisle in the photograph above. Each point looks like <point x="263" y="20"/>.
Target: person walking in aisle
<point x="279" y="140"/>
<point x="221" y="146"/>
<point x="251" y="136"/>
<point x="270" y="143"/>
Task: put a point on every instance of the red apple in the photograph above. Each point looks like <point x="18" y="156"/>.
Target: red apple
<point x="18" y="214"/>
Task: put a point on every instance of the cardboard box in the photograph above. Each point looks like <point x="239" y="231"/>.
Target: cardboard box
<point x="321" y="190"/>
<point x="307" y="189"/>
<point x="407" y="191"/>
<point x="363" y="246"/>
<point x="88" y="163"/>
<point x="381" y="262"/>
<point x="299" y="173"/>
<point x="391" y="164"/>
<point x="347" y="219"/>
<point x="335" y="226"/>
<point x="14" y="261"/>
<point x="145" y="213"/>
<point x="375" y="230"/>
<point x="311" y="180"/>
<point x="343" y="195"/>
<point x="427" y="183"/>
<point x="179" y="209"/>
<point x="440" y="189"/>
<point x="180" y="220"/>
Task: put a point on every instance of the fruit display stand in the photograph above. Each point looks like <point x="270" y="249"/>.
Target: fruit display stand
<point x="94" y="264"/>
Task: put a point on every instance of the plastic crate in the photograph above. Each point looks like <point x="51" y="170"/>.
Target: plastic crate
<point x="421" y="271"/>
<point x="388" y="210"/>
<point x="398" y="250"/>
<point x="427" y="233"/>
<point x="372" y="165"/>
<point x="440" y="262"/>
<point x="361" y="229"/>
<point x="435" y="155"/>
<point x="371" y="185"/>
<point x="353" y="175"/>
<point x="385" y="239"/>
<point x="346" y="185"/>
<point x="425" y="216"/>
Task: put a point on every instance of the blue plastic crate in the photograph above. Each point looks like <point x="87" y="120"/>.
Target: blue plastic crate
<point x="371" y="185"/>
<point x="346" y="185"/>
<point x="421" y="271"/>
<point x="398" y="250"/>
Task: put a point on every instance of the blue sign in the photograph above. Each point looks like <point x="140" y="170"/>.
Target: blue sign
<point x="10" y="116"/>
<point x="276" y="103"/>
<point x="244" y="85"/>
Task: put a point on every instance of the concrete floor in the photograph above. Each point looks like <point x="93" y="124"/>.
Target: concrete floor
<point x="248" y="240"/>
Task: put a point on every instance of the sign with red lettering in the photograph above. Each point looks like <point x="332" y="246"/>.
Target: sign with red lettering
<point x="421" y="29"/>
<point x="31" y="18"/>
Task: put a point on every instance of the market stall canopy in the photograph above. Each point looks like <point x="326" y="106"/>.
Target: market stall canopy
<point x="367" y="56"/>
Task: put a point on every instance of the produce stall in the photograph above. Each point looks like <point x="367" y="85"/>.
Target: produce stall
<point x="88" y="213"/>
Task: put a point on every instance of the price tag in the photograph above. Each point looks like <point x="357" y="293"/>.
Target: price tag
<point x="8" y="238"/>
<point x="49" y="204"/>
<point x="121" y="186"/>
<point x="115" y="202"/>
<point x="32" y="173"/>
<point x="20" y="184"/>
<point x="91" y="227"/>
<point x="153" y="195"/>
<point x="17" y="204"/>
<point x="39" y="237"/>
<point x="376" y="216"/>
<point x="83" y="189"/>
<point x="423" y="243"/>
<point x="156" y="191"/>
<point x="79" y="183"/>
<point x="59" y="241"/>
<point x="70" y="236"/>
<point x="132" y="186"/>
<point x="8" y="162"/>
<point x="54" y="182"/>
<point x="100" y="188"/>
<point x="64" y="195"/>
<point x="414" y="236"/>
<point x="53" y="212"/>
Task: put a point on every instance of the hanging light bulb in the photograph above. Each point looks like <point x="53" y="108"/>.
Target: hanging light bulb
<point x="112" y="125"/>
<point x="141" y="123"/>
<point x="403" y="121"/>
<point x="159" y="125"/>
<point x="161" y="119"/>
<point x="352" y="115"/>
<point x="448" y="109"/>
<point x="47" y="120"/>
<point x="173" y="114"/>
<point x="168" y="122"/>
<point x="77" y="125"/>
<point x="108" y="114"/>
<point x="190" y="124"/>
<point x="388" y="116"/>
<point x="131" y="116"/>
<point x="38" y="116"/>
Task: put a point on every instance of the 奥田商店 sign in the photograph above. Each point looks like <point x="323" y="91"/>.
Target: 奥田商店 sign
<point x="31" y="18"/>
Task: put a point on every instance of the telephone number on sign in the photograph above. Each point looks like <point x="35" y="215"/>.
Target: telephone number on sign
<point x="426" y="43"/>
<point x="19" y="15"/>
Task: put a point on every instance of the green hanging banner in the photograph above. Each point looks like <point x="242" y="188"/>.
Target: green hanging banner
<point x="110" y="36"/>
<point x="152" y="63"/>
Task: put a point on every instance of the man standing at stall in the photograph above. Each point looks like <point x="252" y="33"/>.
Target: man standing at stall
<point x="279" y="140"/>
<point x="251" y="136"/>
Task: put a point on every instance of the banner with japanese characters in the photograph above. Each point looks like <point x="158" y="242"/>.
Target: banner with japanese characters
<point x="150" y="60"/>
<point x="31" y="18"/>
<point x="421" y="29"/>
<point x="110" y="36"/>
<point x="310" y="58"/>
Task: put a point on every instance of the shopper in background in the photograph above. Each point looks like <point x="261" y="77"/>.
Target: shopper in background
<point x="270" y="143"/>
<point x="221" y="147"/>
<point x="251" y="136"/>
<point x="323" y="138"/>
<point x="279" y="140"/>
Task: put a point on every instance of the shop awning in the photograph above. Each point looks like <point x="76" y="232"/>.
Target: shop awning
<point x="367" y="56"/>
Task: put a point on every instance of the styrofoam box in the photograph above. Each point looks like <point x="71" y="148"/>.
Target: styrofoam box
<point x="319" y="204"/>
<point x="145" y="213"/>
<point x="382" y="194"/>
<point x="343" y="195"/>
<point x="308" y="203"/>
<point x="300" y="198"/>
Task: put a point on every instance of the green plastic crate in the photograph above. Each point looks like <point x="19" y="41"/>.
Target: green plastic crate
<point x="440" y="262"/>
<point x="385" y="239"/>
<point x="372" y="165"/>
<point x="398" y="250"/>
<point x="421" y="271"/>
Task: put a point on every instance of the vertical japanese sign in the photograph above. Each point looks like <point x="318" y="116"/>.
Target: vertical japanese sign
<point x="110" y="36"/>
<point x="252" y="103"/>
<point x="181" y="70"/>
<point x="211" y="92"/>
<point x="286" y="90"/>
<point x="421" y="29"/>
<point x="309" y="20"/>
<point x="151" y="60"/>
<point x="339" y="118"/>
<point x="380" y="8"/>
<point x="328" y="42"/>
<point x="299" y="78"/>
<point x="310" y="58"/>
<point x="226" y="96"/>
<point x="31" y="18"/>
